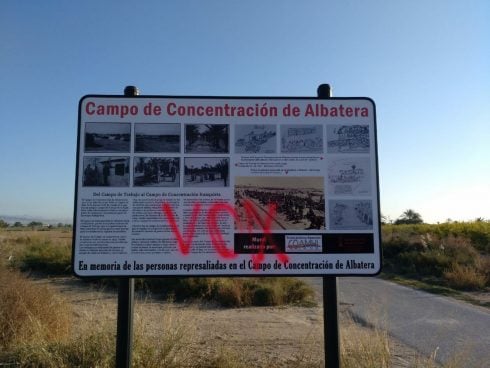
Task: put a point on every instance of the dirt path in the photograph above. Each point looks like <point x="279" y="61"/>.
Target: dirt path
<point x="259" y="335"/>
<point x="428" y="322"/>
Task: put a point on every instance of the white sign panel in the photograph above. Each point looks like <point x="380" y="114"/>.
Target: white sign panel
<point x="204" y="186"/>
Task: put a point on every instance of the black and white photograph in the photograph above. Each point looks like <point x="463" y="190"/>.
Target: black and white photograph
<point x="207" y="138"/>
<point x="105" y="171"/>
<point x="250" y="138"/>
<point x="347" y="139"/>
<point x="300" y="138"/>
<point x="349" y="176"/>
<point x="350" y="214"/>
<point x="156" y="171"/>
<point x="107" y="137"/>
<point x="299" y="201"/>
<point x="160" y="138"/>
<point x="206" y="172"/>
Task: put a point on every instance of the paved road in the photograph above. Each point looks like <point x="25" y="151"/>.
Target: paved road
<point x="424" y="321"/>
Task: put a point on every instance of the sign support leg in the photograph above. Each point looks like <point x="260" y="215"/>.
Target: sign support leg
<point x="331" y="322"/>
<point x="125" y="309"/>
<point x="125" y="302"/>
<point x="330" y="295"/>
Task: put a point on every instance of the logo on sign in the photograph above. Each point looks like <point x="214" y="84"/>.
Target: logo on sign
<point x="303" y="243"/>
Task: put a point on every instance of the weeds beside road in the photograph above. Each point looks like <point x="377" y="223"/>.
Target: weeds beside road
<point x="450" y="259"/>
<point x="50" y="337"/>
<point x="454" y="256"/>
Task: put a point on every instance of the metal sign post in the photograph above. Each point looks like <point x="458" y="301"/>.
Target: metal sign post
<point x="125" y="308"/>
<point x="125" y="302"/>
<point x="330" y="303"/>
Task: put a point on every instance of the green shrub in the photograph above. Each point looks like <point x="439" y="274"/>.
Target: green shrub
<point x="438" y="253"/>
<point x="46" y="257"/>
<point x="476" y="232"/>
<point x="230" y="292"/>
<point x="266" y="295"/>
<point x="429" y="256"/>
<point x="226" y="291"/>
<point x="234" y="292"/>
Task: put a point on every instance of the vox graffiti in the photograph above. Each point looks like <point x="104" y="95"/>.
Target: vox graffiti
<point x="185" y="238"/>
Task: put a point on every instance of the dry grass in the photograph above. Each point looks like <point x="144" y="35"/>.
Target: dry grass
<point x="30" y="312"/>
<point x="465" y="278"/>
<point x="265" y="291"/>
<point x="174" y="342"/>
<point x="364" y="348"/>
<point x="49" y="253"/>
<point x="446" y="259"/>
<point x="16" y="244"/>
<point x="36" y="327"/>
<point x="169" y="347"/>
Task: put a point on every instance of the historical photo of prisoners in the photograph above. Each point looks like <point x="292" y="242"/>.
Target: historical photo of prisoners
<point x="156" y="172"/>
<point x="107" y="137"/>
<point x="300" y="138"/>
<point x="299" y="202"/>
<point x="350" y="214"/>
<point x="347" y="139"/>
<point x="206" y="172"/>
<point x="161" y="138"/>
<point x="207" y="138"/>
<point x="251" y="138"/>
<point x="105" y="171"/>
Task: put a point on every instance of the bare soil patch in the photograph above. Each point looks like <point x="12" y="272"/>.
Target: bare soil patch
<point x="260" y="336"/>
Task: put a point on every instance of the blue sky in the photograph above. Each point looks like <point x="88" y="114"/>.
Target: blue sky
<point x="426" y="63"/>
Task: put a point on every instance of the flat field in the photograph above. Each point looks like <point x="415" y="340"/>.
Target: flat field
<point x="193" y="333"/>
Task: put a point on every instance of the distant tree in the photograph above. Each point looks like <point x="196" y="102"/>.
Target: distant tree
<point x="223" y="168"/>
<point x="18" y="224"/>
<point x="386" y="220"/>
<point x="409" y="217"/>
<point x="479" y="219"/>
<point x="191" y="133"/>
<point x="34" y="224"/>
<point x="3" y="224"/>
<point x="216" y="134"/>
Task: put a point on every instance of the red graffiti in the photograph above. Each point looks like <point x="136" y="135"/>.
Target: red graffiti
<point x="184" y="244"/>
<point x="214" y="231"/>
<point x="266" y="226"/>
<point x="215" y="234"/>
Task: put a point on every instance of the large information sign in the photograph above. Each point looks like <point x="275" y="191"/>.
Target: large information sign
<point x="205" y="186"/>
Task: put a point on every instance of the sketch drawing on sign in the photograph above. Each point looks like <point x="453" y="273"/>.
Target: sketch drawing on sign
<point x="255" y="138"/>
<point x="301" y="138"/>
<point x="348" y="138"/>
<point x="349" y="176"/>
<point x="350" y="214"/>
